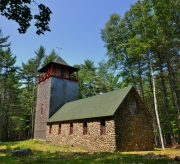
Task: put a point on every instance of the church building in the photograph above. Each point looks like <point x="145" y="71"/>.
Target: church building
<point x="114" y="121"/>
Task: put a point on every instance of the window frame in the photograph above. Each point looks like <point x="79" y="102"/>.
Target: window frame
<point x="85" y="128"/>
<point x="103" y="128"/>
<point x="132" y="105"/>
<point x="59" y="129"/>
<point x="71" y="129"/>
<point x="50" y="129"/>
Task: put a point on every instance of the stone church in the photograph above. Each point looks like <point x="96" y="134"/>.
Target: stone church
<point x="114" y="121"/>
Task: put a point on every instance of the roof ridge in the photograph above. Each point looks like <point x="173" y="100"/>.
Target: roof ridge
<point x="96" y="106"/>
<point x="119" y="89"/>
<point x="59" y="60"/>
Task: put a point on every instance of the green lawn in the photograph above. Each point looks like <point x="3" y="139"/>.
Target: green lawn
<point x="44" y="153"/>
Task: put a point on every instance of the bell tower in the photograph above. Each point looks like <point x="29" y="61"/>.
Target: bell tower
<point x="58" y="84"/>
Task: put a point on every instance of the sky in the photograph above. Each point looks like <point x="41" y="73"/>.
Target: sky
<point x="75" y="27"/>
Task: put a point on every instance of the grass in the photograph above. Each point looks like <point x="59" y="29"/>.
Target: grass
<point x="44" y="153"/>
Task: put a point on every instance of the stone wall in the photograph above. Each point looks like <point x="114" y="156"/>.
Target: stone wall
<point x="133" y="132"/>
<point x="93" y="141"/>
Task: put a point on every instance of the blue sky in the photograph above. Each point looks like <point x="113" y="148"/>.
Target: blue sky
<point x="75" y="26"/>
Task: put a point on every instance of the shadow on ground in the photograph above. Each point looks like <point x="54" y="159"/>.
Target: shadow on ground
<point x="45" y="157"/>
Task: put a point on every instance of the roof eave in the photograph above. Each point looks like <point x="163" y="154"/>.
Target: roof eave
<point x="79" y="118"/>
<point x="42" y="69"/>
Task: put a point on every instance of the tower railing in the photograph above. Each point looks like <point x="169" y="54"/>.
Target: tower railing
<point x="66" y="76"/>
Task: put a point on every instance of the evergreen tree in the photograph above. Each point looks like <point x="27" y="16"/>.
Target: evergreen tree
<point x="9" y="93"/>
<point x="29" y="76"/>
<point x="49" y="58"/>
<point x="87" y="79"/>
<point x="106" y="78"/>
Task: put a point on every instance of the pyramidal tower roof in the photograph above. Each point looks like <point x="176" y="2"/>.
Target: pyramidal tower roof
<point x="59" y="60"/>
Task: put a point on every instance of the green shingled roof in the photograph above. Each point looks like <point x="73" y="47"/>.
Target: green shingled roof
<point x="97" y="106"/>
<point x="59" y="60"/>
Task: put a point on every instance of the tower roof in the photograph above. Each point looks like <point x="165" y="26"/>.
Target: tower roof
<point x="59" y="61"/>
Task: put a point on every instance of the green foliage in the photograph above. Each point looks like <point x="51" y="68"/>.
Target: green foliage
<point x="148" y="36"/>
<point x="3" y="40"/>
<point x="18" y="90"/>
<point x="9" y="90"/>
<point x="52" y="56"/>
<point x="94" y="80"/>
<point x="20" y="11"/>
<point x="144" y="41"/>
<point x="87" y="79"/>
<point x="107" y="80"/>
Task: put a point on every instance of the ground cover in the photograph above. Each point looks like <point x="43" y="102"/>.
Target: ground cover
<point x="47" y="153"/>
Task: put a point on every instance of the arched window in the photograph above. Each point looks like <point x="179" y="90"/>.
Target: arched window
<point x="85" y="130"/>
<point x="59" y="129"/>
<point x="132" y="105"/>
<point x="71" y="129"/>
<point x="103" y="127"/>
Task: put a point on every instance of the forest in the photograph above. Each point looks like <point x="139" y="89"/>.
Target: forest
<point x="143" y="50"/>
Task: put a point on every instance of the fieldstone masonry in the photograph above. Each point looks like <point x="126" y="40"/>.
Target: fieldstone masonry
<point x="133" y="132"/>
<point x="124" y="132"/>
<point x="93" y="141"/>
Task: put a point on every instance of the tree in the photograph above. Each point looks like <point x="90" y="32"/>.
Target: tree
<point x="3" y="40"/>
<point x="9" y="93"/>
<point x="149" y="26"/>
<point x="4" y="55"/>
<point x="49" y="58"/>
<point x="20" y="12"/>
<point x="106" y="78"/>
<point x="29" y="76"/>
<point x="87" y="79"/>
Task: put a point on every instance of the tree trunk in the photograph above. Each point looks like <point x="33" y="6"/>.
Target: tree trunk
<point x="155" y="108"/>
<point x="140" y="79"/>
<point x="165" y="100"/>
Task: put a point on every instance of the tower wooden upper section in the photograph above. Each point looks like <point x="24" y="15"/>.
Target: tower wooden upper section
<point x="60" y="69"/>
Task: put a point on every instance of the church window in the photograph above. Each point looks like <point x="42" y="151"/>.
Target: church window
<point x="50" y="129"/>
<point x="103" y="128"/>
<point x="71" y="129"/>
<point x="132" y="105"/>
<point x="41" y="110"/>
<point x="85" y="129"/>
<point x="59" y="129"/>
